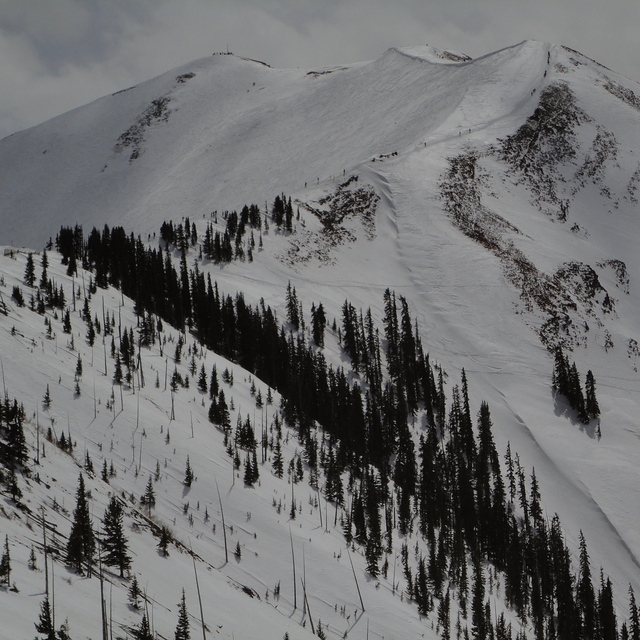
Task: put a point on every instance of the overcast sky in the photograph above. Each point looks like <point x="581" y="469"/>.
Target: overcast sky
<point x="59" y="54"/>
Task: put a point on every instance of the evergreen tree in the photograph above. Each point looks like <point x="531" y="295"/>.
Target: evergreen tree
<point x="607" y="624"/>
<point x="251" y="472"/>
<point x="149" y="497"/>
<point x="561" y="373"/>
<point x="117" y="375"/>
<point x="293" y="310"/>
<point x="372" y="554"/>
<point x="391" y="333"/>
<point x="143" y="632"/>
<point x="16" y="442"/>
<point x="81" y="543"/>
<point x="479" y="623"/>
<point x="188" y="475"/>
<point x="591" y="403"/>
<point x="278" y="462"/>
<point x="114" y="542"/>
<point x="66" y="322"/>
<point x="575" y="395"/>
<point x="318" y="324"/>
<point x="91" y="333"/>
<point x="44" y="279"/>
<point x="202" y="380"/>
<point x="585" y="595"/>
<point x="182" y="628"/>
<point x="634" y="617"/>
<point x="444" y="612"/>
<point x="46" y="401"/>
<point x="45" y="624"/>
<point x="214" y="386"/>
<point x="72" y="268"/>
<point x="165" y="539"/>
<point x="11" y="485"/>
<point x="134" y="593"/>
<point x="5" y="564"/>
<point x="30" y="271"/>
<point x="32" y="560"/>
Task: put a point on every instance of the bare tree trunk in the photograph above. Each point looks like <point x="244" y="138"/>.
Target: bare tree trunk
<point x="356" y="579"/>
<point x="224" y="528"/>
<point x="293" y="563"/>
<point x="204" y="633"/>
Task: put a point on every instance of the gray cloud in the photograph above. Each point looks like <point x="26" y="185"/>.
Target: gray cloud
<point x="55" y="55"/>
<point x="73" y="32"/>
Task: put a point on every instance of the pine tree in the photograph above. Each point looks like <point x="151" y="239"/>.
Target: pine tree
<point x="318" y="324"/>
<point x="134" y="593"/>
<point x="561" y="373"/>
<point x="66" y="322"/>
<point x="585" y="595"/>
<point x="165" y="539"/>
<point x="248" y="471"/>
<point x="202" y="380"/>
<point x="634" y="617"/>
<point x="278" y="461"/>
<point x="72" y="269"/>
<point x="16" y="442"/>
<point x="143" y="632"/>
<point x="607" y="624"/>
<point x="293" y="312"/>
<point x="477" y="604"/>
<point x="182" y="628"/>
<point x="117" y="376"/>
<point x="114" y="542"/>
<point x="46" y="401"/>
<point x="44" y="277"/>
<point x="63" y="631"/>
<point x="149" y="497"/>
<point x="30" y="271"/>
<point x="214" y="386"/>
<point x="88" y="463"/>
<point x="592" y="408"/>
<point x="5" y="564"/>
<point x="45" y="624"/>
<point x="11" y="485"/>
<point x="33" y="566"/>
<point x="188" y="475"/>
<point x="503" y="630"/>
<point x="444" y="616"/>
<point x="81" y="543"/>
<point x="575" y="395"/>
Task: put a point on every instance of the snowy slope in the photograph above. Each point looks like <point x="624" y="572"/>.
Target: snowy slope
<point x="132" y="429"/>
<point x="238" y="131"/>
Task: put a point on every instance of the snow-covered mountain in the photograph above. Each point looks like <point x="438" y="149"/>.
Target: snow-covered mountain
<point x="498" y="196"/>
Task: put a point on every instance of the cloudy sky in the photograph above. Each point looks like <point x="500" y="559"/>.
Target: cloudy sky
<point x="59" y="54"/>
